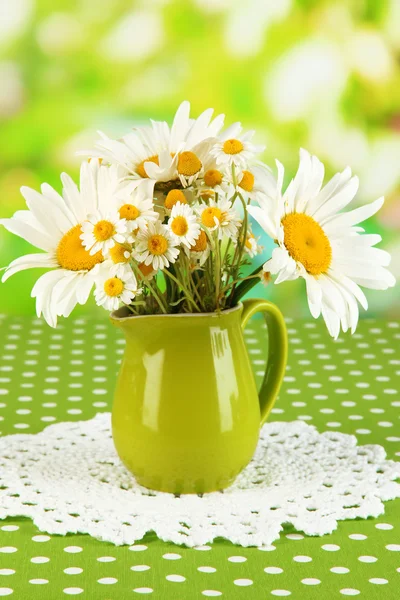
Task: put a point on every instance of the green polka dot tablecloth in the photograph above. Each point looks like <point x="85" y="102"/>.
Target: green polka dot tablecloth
<point x="349" y="385"/>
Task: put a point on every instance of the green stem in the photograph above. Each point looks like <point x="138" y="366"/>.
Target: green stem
<point x="246" y="285"/>
<point x="183" y="288"/>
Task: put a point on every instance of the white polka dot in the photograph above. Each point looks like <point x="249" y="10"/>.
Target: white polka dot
<point x="280" y="592"/>
<point x="172" y="556"/>
<point x="73" y="570"/>
<point x="72" y="591"/>
<point x="333" y="424"/>
<point x="7" y="571"/>
<point x="39" y="581"/>
<point x="385" y="424"/>
<point x="10" y="528"/>
<point x="138" y="548"/>
<point x="41" y="538"/>
<point x="273" y="570"/>
<point x="295" y="536"/>
<point x="384" y="526"/>
<point x="206" y="569"/>
<point x="269" y="548"/>
<point x="143" y="590"/>
<point x="211" y="593"/>
<point x="367" y="559"/>
<point x="378" y="581"/>
<point x="243" y="582"/>
<point x="330" y="547"/>
<point x="340" y="570"/>
<point x="140" y="568"/>
<point x="237" y="559"/>
<point x="175" y="578"/>
<point x="311" y="581"/>
<point x="107" y="580"/>
<point x="73" y="549"/>
<point x="302" y="558"/>
<point x="5" y="591"/>
<point x="393" y="547"/>
<point x="40" y="560"/>
<point x="8" y="549"/>
<point x="357" y="536"/>
<point x="363" y="431"/>
<point x="349" y="592"/>
<point x="106" y="559"/>
<point x="202" y="548"/>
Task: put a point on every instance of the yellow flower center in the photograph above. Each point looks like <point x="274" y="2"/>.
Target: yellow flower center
<point x="117" y="254"/>
<point x="201" y="243"/>
<point x="145" y="269"/>
<point x="212" y="177"/>
<point x="180" y="226"/>
<point x="173" y="197"/>
<point x="113" y="287"/>
<point x="188" y="164"/>
<point x="157" y="244"/>
<point x="72" y="255"/>
<point x="129" y="212"/>
<point x="247" y="181"/>
<point x="233" y="146"/>
<point x="208" y="214"/>
<point x="140" y="170"/>
<point x="307" y="243"/>
<point x="103" y="230"/>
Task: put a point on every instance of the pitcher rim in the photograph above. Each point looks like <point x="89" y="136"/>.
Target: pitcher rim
<point x="114" y="315"/>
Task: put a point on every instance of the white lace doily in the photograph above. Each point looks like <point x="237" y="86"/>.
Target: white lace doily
<point x="69" y="479"/>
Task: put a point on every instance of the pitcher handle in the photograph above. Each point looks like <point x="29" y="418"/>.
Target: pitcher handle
<point x="277" y="350"/>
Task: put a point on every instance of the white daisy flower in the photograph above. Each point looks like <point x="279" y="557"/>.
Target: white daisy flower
<point x="100" y="232"/>
<point x="219" y="214"/>
<point x="137" y="208"/>
<point x="154" y="153"/>
<point x="235" y="148"/>
<point x="183" y="224"/>
<point x="112" y="290"/>
<point x="53" y="224"/>
<point x="323" y="245"/>
<point x="156" y="246"/>
<point x="256" y="179"/>
<point x="147" y="273"/>
<point x="118" y="259"/>
<point x="251" y="245"/>
<point x="265" y="275"/>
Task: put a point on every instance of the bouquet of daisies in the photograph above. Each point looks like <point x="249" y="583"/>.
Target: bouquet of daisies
<point x="162" y="222"/>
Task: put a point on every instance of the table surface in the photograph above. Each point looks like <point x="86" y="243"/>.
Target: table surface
<point x="349" y="385"/>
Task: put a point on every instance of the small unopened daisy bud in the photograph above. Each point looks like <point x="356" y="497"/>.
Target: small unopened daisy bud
<point x="173" y="197"/>
<point x="265" y="277"/>
<point x="207" y="194"/>
<point x="145" y="270"/>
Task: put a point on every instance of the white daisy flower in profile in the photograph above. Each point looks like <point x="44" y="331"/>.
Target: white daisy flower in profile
<point x="265" y="275"/>
<point x="155" y="152"/>
<point x="112" y="290"/>
<point x="183" y="224"/>
<point x="137" y="208"/>
<point x="146" y="272"/>
<point x="220" y="215"/>
<point x="199" y="251"/>
<point x="100" y="232"/>
<point x="235" y="148"/>
<point x="251" y="245"/>
<point x="256" y="179"/>
<point x="323" y="245"/>
<point x="156" y="246"/>
<point x="53" y="224"/>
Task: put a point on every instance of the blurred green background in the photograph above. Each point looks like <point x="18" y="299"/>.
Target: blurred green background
<point x="324" y="75"/>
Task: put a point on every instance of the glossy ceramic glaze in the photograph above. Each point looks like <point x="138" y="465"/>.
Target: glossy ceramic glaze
<point x="186" y="414"/>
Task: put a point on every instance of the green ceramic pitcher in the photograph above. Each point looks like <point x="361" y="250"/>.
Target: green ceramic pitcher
<point x="186" y="414"/>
